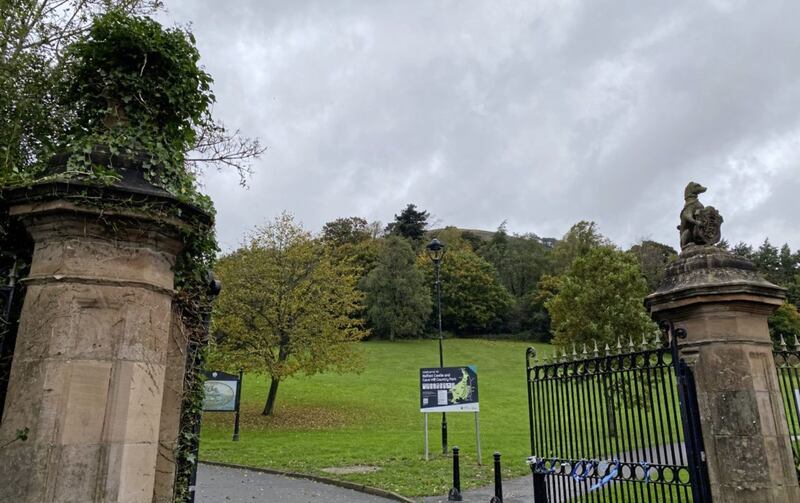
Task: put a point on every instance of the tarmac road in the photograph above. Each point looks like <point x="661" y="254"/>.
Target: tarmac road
<point x="217" y="484"/>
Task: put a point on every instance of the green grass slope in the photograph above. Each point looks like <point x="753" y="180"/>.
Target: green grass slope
<point x="373" y="419"/>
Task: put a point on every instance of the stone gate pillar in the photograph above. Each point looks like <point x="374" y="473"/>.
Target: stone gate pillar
<point x="89" y="368"/>
<point x="723" y="304"/>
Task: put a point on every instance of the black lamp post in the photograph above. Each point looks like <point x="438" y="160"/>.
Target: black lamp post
<point x="436" y="251"/>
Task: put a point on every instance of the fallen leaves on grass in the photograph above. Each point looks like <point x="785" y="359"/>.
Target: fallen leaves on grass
<point x="288" y="417"/>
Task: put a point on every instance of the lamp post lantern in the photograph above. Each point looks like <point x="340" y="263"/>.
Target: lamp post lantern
<point x="436" y="251"/>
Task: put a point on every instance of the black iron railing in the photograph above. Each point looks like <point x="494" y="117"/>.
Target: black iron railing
<point x="618" y="427"/>
<point x="8" y="335"/>
<point x="787" y="361"/>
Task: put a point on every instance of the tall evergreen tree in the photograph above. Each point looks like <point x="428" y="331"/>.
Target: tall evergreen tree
<point x="410" y="223"/>
<point x="788" y="265"/>
<point x="793" y="291"/>
<point x="398" y="299"/>
<point x="743" y="249"/>
<point x="768" y="262"/>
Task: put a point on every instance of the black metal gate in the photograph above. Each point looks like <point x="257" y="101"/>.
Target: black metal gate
<point x="622" y="426"/>
<point x="10" y="304"/>
<point x="787" y="360"/>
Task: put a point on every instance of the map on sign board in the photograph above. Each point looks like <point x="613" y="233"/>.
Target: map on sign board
<point x="220" y="392"/>
<point x="448" y="389"/>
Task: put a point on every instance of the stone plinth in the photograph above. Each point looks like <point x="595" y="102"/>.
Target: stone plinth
<point x="723" y="304"/>
<point x="88" y="374"/>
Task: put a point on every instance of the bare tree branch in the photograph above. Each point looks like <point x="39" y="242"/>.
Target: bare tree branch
<point x="217" y="147"/>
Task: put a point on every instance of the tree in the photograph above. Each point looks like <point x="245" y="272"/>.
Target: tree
<point x="793" y="291"/>
<point x="743" y="249"/>
<point x="33" y="39"/>
<point x="398" y="299"/>
<point x="473" y="300"/>
<point x="410" y="223"/>
<point x="768" y="262"/>
<point x="789" y="265"/>
<point x="785" y="322"/>
<point x="286" y="307"/>
<point x="520" y="260"/>
<point x="353" y="241"/>
<point x="653" y="258"/>
<point x="362" y="257"/>
<point x="781" y="267"/>
<point x="577" y="242"/>
<point x="600" y="297"/>
<point x="474" y="240"/>
<point x="529" y="315"/>
<point x="350" y="230"/>
<point x="452" y="237"/>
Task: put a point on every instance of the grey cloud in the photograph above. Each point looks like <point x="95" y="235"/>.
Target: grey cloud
<point x="539" y="113"/>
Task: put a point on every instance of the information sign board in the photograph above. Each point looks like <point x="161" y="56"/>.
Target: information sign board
<point x="448" y="389"/>
<point x="221" y="392"/>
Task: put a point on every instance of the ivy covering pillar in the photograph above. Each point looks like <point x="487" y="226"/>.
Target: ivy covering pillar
<point x="88" y="374"/>
<point x="122" y="243"/>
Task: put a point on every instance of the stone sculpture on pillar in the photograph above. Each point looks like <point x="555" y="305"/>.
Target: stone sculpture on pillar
<point x="700" y="225"/>
<point x="723" y="303"/>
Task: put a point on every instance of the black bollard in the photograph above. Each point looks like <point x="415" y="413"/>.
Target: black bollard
<point x="498" y="481"/>
<point x="539" y="483"/>
<point x="455" y="492"/>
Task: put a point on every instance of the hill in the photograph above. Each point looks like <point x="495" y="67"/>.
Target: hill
<point x="485" y="235"/>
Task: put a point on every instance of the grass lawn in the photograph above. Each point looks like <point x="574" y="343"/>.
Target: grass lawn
<point x="373" y="419"/>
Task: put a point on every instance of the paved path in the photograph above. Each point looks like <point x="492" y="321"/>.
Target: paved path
<point x="217" y="484"/>
<point x="520" y="489"/>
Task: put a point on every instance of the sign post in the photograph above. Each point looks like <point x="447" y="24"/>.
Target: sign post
<point x="449" y="389"/>
<point x="426" y="435"/>
<point x="222" y="394"/>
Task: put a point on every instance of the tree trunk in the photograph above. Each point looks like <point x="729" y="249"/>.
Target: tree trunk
<point x="273" y="391"/>
<point x="283" y="355"/>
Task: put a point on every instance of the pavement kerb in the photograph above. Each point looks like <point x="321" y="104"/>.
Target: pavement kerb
<point x="316" y="478"/>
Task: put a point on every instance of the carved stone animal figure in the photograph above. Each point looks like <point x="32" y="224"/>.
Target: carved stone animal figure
<point x="689" y="213"/>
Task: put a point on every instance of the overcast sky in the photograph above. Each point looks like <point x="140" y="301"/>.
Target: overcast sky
<point x="541" y="113"/>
